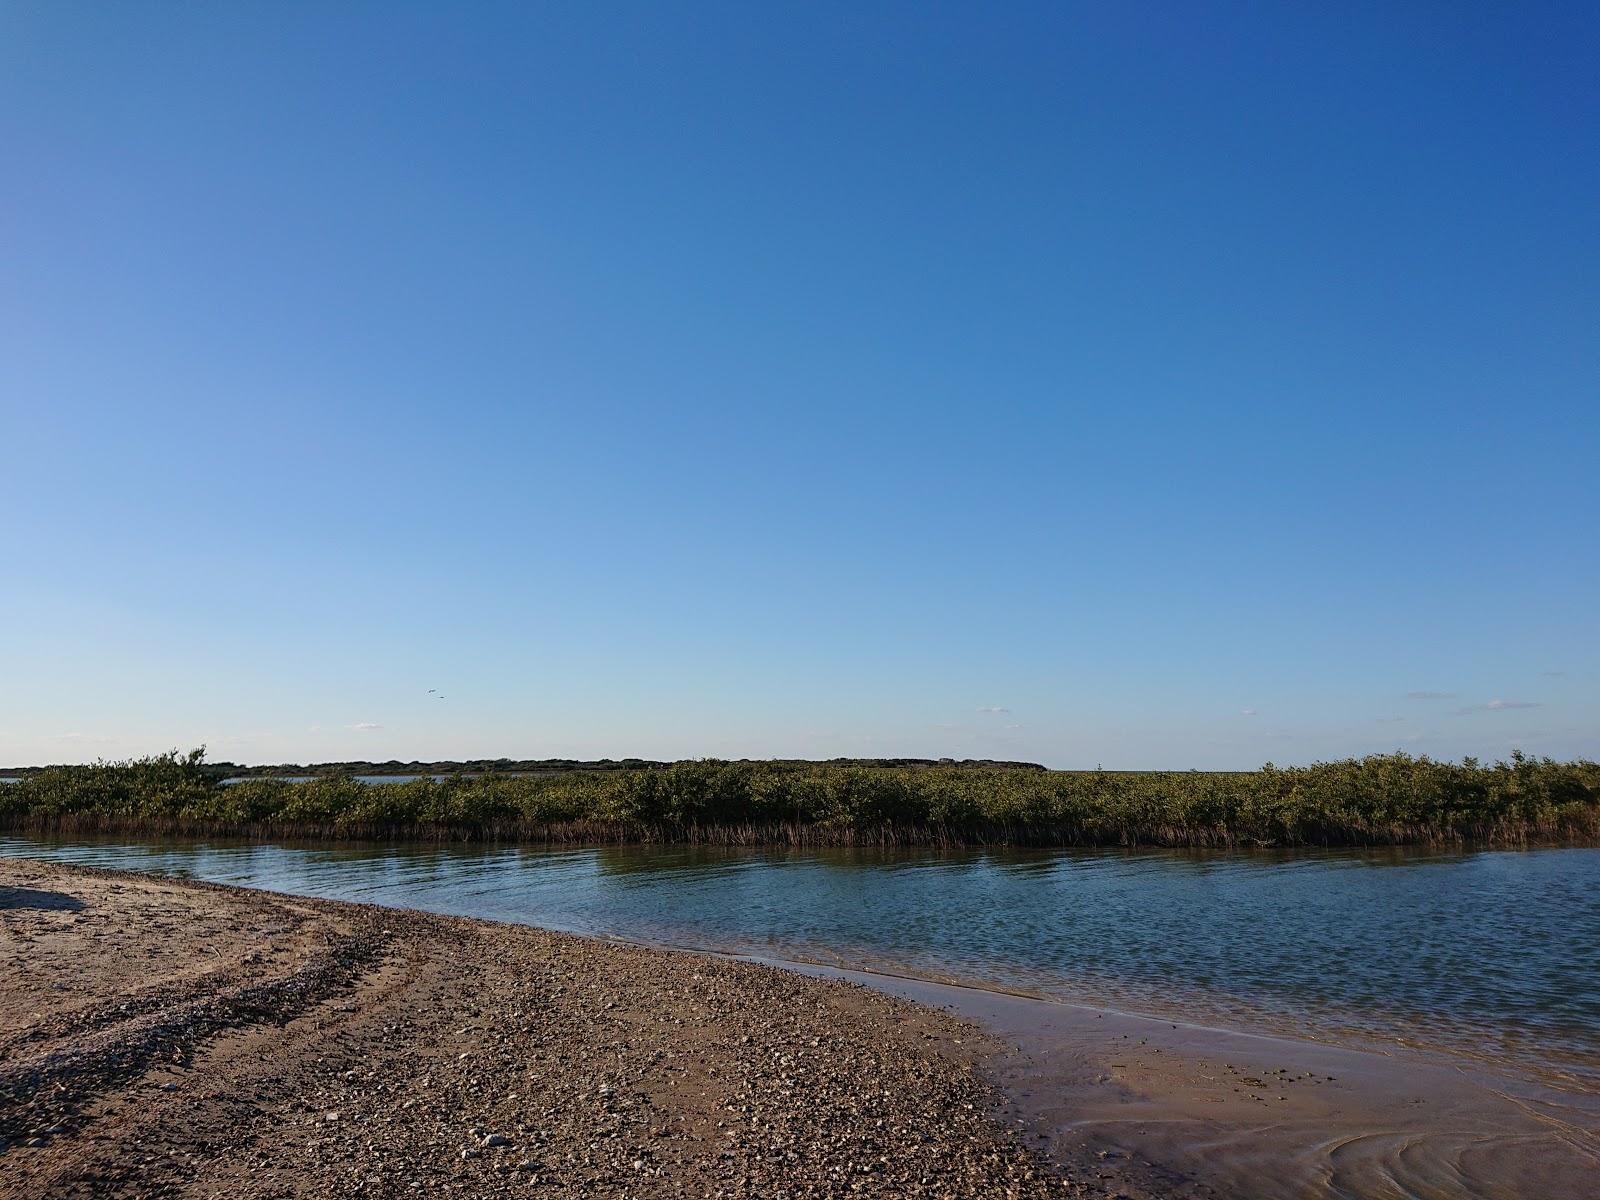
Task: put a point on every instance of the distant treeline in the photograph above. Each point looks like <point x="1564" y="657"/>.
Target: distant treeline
<point x="1384" y="799"/>
<point x="529" y="766"/>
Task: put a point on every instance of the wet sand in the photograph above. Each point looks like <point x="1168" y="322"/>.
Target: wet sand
<point x="1193" y="1112"/>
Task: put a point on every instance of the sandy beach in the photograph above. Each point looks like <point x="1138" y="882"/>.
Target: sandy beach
<point x="174" y="1038"/>
<point x="179" y="1039"/>
<point x="1189" y="1111"/>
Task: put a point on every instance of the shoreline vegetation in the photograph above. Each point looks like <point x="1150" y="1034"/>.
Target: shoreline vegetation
<point x="1394" y="799"/>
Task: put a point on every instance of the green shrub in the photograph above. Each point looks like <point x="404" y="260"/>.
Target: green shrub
<point x="1382" y="798"/>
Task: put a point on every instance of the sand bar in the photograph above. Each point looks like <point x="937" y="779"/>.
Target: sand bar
<point x="168" y="1038"/>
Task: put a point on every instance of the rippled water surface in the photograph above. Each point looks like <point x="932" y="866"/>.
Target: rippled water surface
<point x="1494" y="954"/>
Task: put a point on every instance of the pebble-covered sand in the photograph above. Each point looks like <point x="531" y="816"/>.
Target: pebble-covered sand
<point x="160" y="1038"/>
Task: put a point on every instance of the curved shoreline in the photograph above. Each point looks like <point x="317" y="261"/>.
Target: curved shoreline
<point x="1334" y="969"/>
<point x="1141" y="1104"/>
<point x="1197" y="1111"/>
<point x="1259" y="1113"/>
<point x="161" y="1036"/>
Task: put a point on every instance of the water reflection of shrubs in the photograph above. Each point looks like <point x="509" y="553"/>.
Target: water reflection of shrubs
<point x="1383" y="799"/>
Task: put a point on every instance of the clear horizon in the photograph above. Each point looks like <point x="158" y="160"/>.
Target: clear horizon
<point x="1126" y="385"/>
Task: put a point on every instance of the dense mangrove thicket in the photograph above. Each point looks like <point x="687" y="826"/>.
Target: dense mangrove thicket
<point x="1384" y="799"/>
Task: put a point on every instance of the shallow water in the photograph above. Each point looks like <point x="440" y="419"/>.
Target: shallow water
<point x="1492" y="955"/>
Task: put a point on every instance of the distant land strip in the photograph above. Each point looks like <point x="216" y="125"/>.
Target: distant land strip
<point x="1393" y="799"/>
<point x="535" y="766"/>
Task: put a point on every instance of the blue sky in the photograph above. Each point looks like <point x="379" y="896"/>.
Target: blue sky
<point x="1146" y="385"/>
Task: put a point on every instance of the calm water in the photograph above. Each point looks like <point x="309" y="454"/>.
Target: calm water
<point x="1490" y="954"/>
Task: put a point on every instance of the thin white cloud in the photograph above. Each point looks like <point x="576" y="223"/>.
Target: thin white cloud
<point x="995" y="709"/>
<point x="1387" y="720"/>
<point x="1554" y="674"/>
<point x="1247" y="712"/>
<point x="366" y="725"/>
<point x="1498" y="706"/>
<point x="1430" y="695"/>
